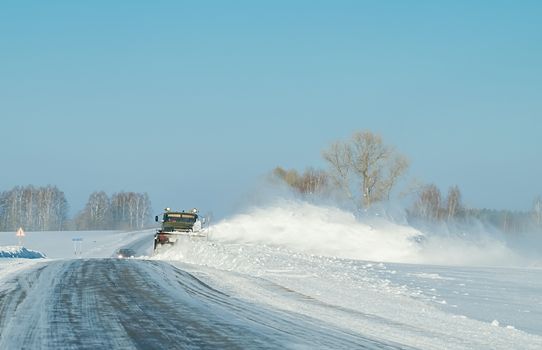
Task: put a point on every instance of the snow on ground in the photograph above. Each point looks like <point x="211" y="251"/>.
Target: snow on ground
<point x="61" y="244"/>
<point x="321" y="261"/>
<point x="367" y="297"/>
<point x="373" y="278"/>
<point x="19" y="252"/>
<point x="510" y="295"/>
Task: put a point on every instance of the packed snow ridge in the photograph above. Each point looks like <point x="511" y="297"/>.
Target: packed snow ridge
<point x="20" y="253"/>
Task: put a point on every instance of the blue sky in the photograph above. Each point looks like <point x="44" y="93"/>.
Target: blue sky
<point x="194" y="101"/>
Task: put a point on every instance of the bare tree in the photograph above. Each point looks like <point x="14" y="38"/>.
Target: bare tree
<point x="339" y="158"/>
<point x="365" y="166"/>
<point x="11" y="202"/>
<point x="53" y="208"/>
<point x="142" y="210"/>
<point x="130" y="210"/>
<point x="99" y="209"/>
<point x="28" y="199"/>
<point x="97" y="213"/>
<point x="453" y="202"/>
<point x="397" y="168"/>
<point x="428" y="204"/>
<point x="311" y="181"/>
<point x="119" y="210"/>
<point x="43" y="208"/>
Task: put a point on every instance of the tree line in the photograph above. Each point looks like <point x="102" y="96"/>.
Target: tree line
<point x="34" y="208"/>
<point x="46" y="209"/>
<point x="430" y="206"/>
<point x="124" y="210"/>
<point x="365" y="171"/>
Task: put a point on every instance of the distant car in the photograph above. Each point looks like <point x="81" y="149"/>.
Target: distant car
<point x="125" y="253"/>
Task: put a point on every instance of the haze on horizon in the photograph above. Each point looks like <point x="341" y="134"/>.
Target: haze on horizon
<point x="194" y="102"/>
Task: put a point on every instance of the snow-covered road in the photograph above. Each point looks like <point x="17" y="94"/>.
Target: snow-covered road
<point x="138" y="304"/>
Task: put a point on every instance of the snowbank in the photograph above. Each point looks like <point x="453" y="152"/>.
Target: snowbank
<point x="20" y="252"/>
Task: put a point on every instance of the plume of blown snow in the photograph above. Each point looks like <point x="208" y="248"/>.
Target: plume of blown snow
<point x="320" y="230"/>
<point x="329" y="231"/>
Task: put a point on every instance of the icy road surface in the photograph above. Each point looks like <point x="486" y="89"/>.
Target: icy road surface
<point x="138" y="304"/>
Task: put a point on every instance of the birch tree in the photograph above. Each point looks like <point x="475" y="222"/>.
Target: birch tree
<point x="99" y="209"/>
<point x="453" y="202"/>
<point x="38" y="209"/>
<point x="97" y="213"/>
<point x="428" y="204"/>
<point x="130" y="210"/>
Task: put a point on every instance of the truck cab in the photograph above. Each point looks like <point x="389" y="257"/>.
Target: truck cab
<point x="178" y="221"/>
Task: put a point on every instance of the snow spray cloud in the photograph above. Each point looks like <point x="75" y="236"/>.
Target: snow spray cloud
<point x="329" y="231"/>
<point x="319" y="230"/>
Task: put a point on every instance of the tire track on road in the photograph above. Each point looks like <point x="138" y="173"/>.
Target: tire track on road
<point x="139" y="304"/>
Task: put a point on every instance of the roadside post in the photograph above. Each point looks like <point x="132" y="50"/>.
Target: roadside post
<point x="20" y="234"/>
<point x="77" y="245"/>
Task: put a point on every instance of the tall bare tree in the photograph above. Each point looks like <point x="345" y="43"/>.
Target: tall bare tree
<point x="99" y="207"/>
<point x="130" y="210"/>
<point x="428" y="204"/>
<point x="339" y="158"/>
<point x="97" y="213"/>
<point x="396" y="170"/>
<point x="453" y="202"/>
<point x="364" y="168"/>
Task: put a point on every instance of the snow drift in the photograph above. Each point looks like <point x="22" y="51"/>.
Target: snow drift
<point x="20" y="252"/>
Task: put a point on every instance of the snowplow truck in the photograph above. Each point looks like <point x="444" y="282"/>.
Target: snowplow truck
<point x="175" y="224"/>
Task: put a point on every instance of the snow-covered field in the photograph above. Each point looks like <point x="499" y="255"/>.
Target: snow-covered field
<point x="316" y="271"/>
<point x="73" y="244"/>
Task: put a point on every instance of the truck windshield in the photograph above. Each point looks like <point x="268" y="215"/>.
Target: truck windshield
<point x="173" y="217"/>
